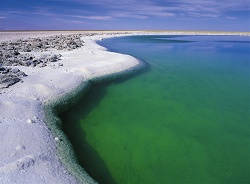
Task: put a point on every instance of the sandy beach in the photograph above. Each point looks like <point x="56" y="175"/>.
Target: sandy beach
<point x="33" y="148"/>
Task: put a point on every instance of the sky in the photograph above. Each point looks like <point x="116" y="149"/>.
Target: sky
<point x="211" y="15"/>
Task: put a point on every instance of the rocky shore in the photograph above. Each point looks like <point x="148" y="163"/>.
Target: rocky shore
<point x="10" y="76"/>
<point x="34" y="52"/>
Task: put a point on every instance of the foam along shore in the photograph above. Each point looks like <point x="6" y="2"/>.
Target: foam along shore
<point x="33" y="148"/>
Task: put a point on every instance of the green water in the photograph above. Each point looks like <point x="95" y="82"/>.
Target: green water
<point x="184" y="120"/>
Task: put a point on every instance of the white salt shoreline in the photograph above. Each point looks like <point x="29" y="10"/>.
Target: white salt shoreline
<point x="29" y="148"/>
<point x="30" y="141"/>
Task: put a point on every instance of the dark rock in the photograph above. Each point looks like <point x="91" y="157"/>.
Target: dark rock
<point x="11" y="55"/>
<point x="16" y="53"/>
<point x="14" y="70"/>
<point x="8" y="80"/>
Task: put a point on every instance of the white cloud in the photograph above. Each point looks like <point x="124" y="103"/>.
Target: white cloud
<point x="129" y="15"/>
<point x="128" y="8"/>
<point x="211" y="8"/>
<point x="93" y="17"/>
<point x="168" y="8"/>
<point x="138" y="9"/>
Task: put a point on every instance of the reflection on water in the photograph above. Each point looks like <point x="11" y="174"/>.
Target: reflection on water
<point x="184" y="121"/>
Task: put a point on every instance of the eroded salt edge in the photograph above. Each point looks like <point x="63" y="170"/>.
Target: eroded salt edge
<point x="54" y="108"/>
<point x="33" y="148"/>
<point x="26" y="163"/>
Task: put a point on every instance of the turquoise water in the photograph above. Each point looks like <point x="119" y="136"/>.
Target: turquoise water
<point x="184" y="119"/>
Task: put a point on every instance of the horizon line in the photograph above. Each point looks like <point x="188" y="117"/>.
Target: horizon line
<point x="119" y="30"/>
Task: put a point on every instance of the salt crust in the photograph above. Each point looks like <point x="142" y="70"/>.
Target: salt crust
<point x="33" y="148"/>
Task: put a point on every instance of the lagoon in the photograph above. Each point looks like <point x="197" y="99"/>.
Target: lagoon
<point x="183" y="119"/>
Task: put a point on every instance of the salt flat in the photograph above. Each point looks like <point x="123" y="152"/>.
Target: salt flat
<point x="29" y="147"/>
<point x="33" y="148"/>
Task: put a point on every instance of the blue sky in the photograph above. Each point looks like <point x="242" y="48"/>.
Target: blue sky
<point x="214" y="15"/>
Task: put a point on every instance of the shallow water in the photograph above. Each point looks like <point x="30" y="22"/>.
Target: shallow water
<point x="184" y="120"/>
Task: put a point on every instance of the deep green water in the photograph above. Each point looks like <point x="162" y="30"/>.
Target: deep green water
<point x="183" y="120"/>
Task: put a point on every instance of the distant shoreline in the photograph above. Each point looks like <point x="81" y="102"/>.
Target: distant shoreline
<point x="7" y="35"/>
<point x="138" y="31"/>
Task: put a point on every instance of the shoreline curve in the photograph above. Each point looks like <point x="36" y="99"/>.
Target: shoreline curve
<point x="31" y="139"/>
<point x="33" y="147"/>
<point x="55" y="107"/>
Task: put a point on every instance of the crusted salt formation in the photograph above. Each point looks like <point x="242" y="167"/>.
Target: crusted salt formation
<point x="10" y="76"/>
<point x="21" y="53"/>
